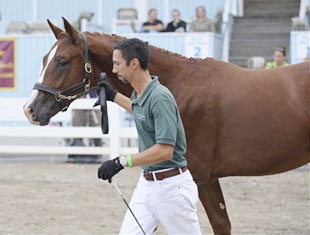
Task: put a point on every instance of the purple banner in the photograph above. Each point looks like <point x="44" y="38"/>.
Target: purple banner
<point x="7" y="64"/>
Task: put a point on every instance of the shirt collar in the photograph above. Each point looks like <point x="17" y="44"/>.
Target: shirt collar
<point x="140" y="101"/>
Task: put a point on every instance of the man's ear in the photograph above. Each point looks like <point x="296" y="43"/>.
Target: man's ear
<point x="135" y="63"/>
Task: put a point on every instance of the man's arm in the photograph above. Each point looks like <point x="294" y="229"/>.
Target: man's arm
<point x="157" y="27"/>
<point x="155" y="154"/>
<point x="123" y="101"/>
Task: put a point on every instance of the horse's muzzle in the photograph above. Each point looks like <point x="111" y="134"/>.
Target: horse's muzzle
<point x="28" y="113"/>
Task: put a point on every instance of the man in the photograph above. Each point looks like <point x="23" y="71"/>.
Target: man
<point x="166" y="192"/>
<point x="153" y="25"/>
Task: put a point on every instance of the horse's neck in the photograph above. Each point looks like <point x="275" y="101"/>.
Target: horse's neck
<point x="101" y="53"/>
<point x="169" y="67"/>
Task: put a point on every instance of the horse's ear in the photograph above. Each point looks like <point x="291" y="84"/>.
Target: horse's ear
<point x="55" y="29"/>
<point x="74" y="34"/>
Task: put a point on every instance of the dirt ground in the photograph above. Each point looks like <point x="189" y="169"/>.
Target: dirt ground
<point x="49" y="198"/>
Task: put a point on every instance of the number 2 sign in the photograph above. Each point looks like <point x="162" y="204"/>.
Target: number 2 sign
<point x="196" y="46"/>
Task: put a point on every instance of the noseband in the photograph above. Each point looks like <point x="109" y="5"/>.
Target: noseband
<point x="61" y="96"/>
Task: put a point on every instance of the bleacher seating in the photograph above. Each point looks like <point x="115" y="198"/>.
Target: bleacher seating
<point x="17" y="27"/>
<point x="20" y="27"/>
<point x="127" y="14"/>
<point x="39" y="28"/>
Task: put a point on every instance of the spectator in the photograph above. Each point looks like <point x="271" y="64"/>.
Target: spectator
<point x="279" y="57"/>
<point x="176" y="25"/>
<point x="202" y="23"/>
<point x="153" y="24"/>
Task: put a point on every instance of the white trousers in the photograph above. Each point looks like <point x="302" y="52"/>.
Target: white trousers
<point x="171" y="202"/>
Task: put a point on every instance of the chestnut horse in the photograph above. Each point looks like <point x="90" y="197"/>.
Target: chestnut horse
<point x="238" y="122"/>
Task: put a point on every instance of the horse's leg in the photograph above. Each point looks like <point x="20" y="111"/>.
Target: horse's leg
<point x="211" y="197"/>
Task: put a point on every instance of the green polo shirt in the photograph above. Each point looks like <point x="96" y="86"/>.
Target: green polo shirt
<point x="158" y="121"/>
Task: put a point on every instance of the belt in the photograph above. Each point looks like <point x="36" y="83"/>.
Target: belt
<point x="148" y="175"/>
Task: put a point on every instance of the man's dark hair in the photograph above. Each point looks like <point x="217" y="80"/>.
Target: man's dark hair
<point x="134" y="48"/>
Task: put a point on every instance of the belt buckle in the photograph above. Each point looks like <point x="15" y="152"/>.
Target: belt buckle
<point x="149" y="175"/>
<point x="146" y="172"/>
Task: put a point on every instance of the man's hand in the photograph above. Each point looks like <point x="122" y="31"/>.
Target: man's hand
<point x="110" y="92"/>
<point x="109" y="168"/>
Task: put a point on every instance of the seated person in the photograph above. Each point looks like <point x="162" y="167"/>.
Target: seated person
<point x="153" y="24"/>
<point x="202" y="22"/>
<point x="279" y="58"/>
<point x="176" y="25"/>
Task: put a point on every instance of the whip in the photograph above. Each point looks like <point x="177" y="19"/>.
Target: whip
<point x="121" y="195"/>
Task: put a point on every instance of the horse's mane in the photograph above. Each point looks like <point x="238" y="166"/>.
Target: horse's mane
<point x="116" y="38"/>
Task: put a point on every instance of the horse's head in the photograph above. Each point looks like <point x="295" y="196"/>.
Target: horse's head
<point x="65" y="76"/>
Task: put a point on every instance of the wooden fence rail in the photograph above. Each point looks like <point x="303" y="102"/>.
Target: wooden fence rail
<point x="14" y="126"/>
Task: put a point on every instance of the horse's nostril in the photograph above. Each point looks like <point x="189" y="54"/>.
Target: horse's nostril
<point x="31" y="110"/>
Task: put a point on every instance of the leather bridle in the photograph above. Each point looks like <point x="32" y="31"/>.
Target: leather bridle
<point x="61" y="96"/>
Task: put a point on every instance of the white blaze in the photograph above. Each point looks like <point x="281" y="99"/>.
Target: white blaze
<point x="34" y="93"/>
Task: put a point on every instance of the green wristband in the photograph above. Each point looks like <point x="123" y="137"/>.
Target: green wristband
<point x="129" y="161"/>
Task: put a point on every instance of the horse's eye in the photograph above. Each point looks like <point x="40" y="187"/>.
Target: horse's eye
<point x="62" y="63"/>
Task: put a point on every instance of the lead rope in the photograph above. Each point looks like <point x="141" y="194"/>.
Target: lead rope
<point x="102" y="101"/>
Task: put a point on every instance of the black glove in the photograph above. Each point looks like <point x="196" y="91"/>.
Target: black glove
<point x="109" y="168"/>
<point x="110" y="92"/>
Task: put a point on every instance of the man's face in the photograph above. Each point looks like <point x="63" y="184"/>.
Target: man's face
<point x="153" y="15"/>
<point x="120" y="68"/>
